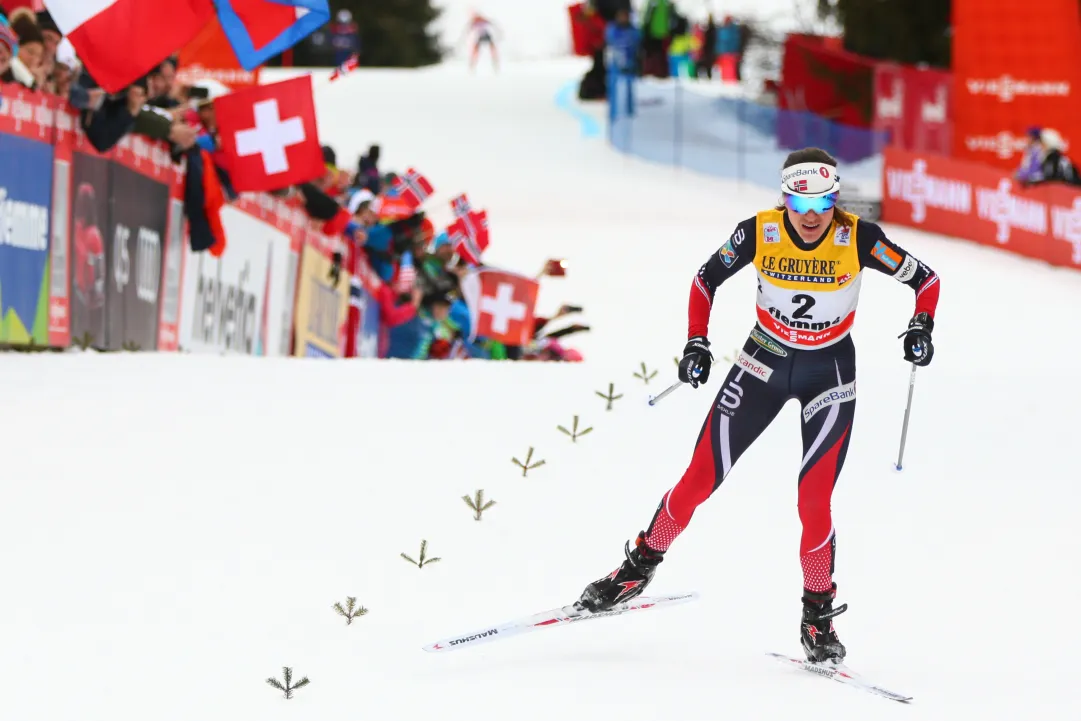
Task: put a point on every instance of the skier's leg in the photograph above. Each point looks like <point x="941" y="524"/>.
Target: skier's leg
<point x="825" y="381"/>
<point x="745" y="406"/>
<point x="473" y="55"/>
<point x="750" y="398"/>
<point x="495" y="55"/>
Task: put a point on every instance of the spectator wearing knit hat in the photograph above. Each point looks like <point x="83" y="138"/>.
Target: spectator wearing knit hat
<point x="26" y="67"/>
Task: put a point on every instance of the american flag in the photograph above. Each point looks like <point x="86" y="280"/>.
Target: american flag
<point x="407" y="274"/>
<point x="345" y="68"/>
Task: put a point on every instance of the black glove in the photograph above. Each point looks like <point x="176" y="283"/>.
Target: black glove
<point x="694" y="368"/>
<point x="918" y="346"/>
<point x="335" y="274"/>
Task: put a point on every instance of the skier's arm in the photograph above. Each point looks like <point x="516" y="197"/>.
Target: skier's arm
<point x="878" y="252"/>
<point x="737" y="252"/>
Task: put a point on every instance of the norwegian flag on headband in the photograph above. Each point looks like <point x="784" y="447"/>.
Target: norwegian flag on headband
<point x="469" y="233"/>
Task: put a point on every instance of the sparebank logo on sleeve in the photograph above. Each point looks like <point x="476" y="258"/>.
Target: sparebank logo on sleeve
<point x="840" y="394"/>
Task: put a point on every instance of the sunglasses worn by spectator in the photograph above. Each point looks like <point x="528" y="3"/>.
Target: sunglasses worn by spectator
<point x="800" y="204"/>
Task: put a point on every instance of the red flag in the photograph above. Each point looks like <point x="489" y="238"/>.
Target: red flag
<point x="269" y="136"/>
<point x="345" y="68"/>
<point x="119" y="41"/>
<point x="501" y="305"/>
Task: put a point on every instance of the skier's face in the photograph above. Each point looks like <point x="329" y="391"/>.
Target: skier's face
<point x="810" y="216"/>
<point x="810" y="225"/>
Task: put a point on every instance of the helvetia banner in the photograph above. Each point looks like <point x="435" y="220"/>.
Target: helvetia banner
<point x="25" y="192"/>
<point x="321" y="307"/>
<point x="232" y="303"/>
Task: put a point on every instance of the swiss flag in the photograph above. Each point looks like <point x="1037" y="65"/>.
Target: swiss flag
<point x="269" y="136"/>
<point x="501" y="305"/>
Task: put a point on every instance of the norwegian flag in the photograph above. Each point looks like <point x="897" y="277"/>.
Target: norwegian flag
<point x="345" y="68"/>
<point x="800" y="186"/>
<point x="469" y="233"/>
<point x="413" y="188"/>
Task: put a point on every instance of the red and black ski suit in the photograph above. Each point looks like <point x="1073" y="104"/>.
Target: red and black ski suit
<point x="800" y="348"/>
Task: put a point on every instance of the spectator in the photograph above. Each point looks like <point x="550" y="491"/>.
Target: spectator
<point x="368" y="171"/>
<point x="622" y="40"/>
<point x="1044" y="161"/>
<point x="413" y="339"/>
<point x="729" y="42"/>
<point x="9" y="48"/>
<point x="679" y="47"/>
<point x="344" y="37"/>
<point x="26" y="66"/>
<point x="656" y="36"/>
<point x="707" y="54"/>
<point x="161" y="86"/>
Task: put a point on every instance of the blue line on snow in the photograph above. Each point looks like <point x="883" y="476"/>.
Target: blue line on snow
<point x="565" y="101"/>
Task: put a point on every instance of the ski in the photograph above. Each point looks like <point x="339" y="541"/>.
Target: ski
<point x="841" y="673"/>
<point x="549" y="619"/>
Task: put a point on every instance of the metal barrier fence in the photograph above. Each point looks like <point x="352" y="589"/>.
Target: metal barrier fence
<point x="698" y="126"/>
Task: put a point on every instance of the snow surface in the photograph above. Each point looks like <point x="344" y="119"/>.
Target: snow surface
<point x="175" y="528"/>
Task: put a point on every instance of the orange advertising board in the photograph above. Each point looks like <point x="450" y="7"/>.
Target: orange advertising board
<point x="209" y="55"/>
<point x="1016" y="65"/>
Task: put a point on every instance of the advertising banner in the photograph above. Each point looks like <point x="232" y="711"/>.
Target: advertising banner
<point x="26" y="129"/>
<point x="60" y="283"/>
<point x="321" y="307"/>
<point x="230" y="302"/>
<point x="979" y="203"/>
<point x="89" y="228"/>
<point x="172" y="274"/>
<point x="913" y="106"/>
<point x="827" y="81"/>
<point x="1016" y="65"/>
<point x="133" y="257"/>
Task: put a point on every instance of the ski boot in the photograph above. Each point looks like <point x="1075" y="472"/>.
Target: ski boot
<point x="819" y="638"/>
<point x="624" y="583"/>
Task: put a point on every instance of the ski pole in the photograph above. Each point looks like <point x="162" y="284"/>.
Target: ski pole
<point x="653" y="400"/>
<point x="908" y="410"/>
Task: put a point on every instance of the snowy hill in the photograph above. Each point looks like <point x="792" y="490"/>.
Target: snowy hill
<point x="175" y="529"/>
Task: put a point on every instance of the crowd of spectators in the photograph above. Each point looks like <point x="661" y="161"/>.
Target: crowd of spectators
<point x="661" y="41"/>
<point x="422" y="313"/>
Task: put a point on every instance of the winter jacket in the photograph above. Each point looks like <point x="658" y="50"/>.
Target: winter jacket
<point x="621" y="48"/>
<point x="728" y="39"/>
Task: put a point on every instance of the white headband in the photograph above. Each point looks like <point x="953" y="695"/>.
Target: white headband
<point x="811" y="180"/>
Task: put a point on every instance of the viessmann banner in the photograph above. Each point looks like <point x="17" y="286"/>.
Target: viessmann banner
<point x="979" y="203"/>
<point x="1015" y="65"/>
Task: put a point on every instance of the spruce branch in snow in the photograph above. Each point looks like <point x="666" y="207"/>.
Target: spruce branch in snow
<point x="574" y="433"/>
<point x="424" y="560"/>
<point x="645" y="375"/>
<point x="286" y="685"/>
<point x="350" y="610"/>
<point x="477" y="504"/>
<point x="611" y="397"/>
<point x="526" y="467"/>
<point x="732" y="358"/>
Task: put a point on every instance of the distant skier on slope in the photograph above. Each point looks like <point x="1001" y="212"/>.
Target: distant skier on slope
<point x="483" y="32"/>
<point x="809" y="255"/>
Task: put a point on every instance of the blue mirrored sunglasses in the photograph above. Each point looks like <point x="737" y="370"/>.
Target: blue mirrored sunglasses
<point x="800" y="204"/>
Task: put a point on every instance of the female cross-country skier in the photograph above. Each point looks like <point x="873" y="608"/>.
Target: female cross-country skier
<point x="483" y="31"/>
<point x="809" y="255"/>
